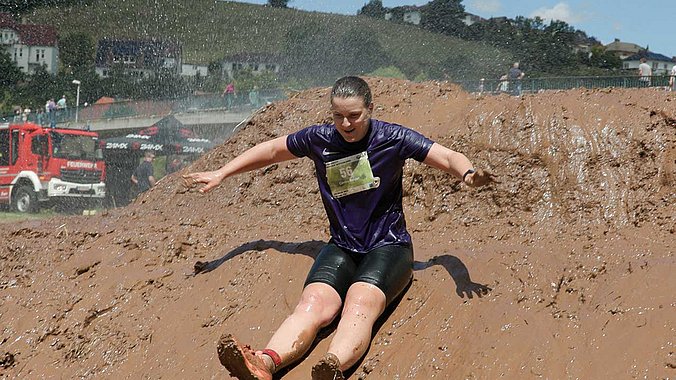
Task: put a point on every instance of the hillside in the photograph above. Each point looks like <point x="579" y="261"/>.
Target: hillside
<point x="576" y="242"/>
<point x="210" y="30"/>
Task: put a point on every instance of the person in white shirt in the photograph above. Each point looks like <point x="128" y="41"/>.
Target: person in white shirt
<point x="672" y="79"/>
<point x="644" y="72"/>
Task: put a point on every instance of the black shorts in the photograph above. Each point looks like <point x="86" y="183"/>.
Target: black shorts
<point x="390" y="268"/>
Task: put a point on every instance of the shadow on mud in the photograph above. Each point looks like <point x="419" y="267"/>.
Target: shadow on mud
<point x="464" y="286"/>
<point x="309" y="248"/>
<point x="458" y="271"/>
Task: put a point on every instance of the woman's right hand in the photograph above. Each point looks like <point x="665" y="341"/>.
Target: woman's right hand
<point x="211" y="179"/>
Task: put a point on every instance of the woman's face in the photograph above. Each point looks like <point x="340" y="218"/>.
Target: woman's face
<point x="351" y="117"/>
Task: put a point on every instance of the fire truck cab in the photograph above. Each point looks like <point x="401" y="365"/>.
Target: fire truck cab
<point x="41" y="165"/>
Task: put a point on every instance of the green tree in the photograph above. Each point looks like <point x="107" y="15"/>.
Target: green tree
<point x="246" y="80"/>
<point x="278" y="3"/>
<point x="118" y="84"/>
<point x="374" y="8"/>
<point x="11" y="73"/>
<point x="76" y="51"/>
<point x="443" y="16"/>
<point x="37" y="88"/>
<point x="22" y="6"/>
<point x="599" y="57"/>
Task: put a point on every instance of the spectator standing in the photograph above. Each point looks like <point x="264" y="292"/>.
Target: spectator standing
<point x="645" y="73"/>
<point x="40" y="116"/>
<point x="672" y="79"/>
<point x="61" y="104"/>
<point x="229" y="94"/>
<point x="50" y="108"/>
<point x="144" y="176"/>
<point x="24" y="116"/>
<point x="254" y="98"/>
<point x="503" y="85"/>
<point x="62" y="108"/>
<point x="515" y="75"/>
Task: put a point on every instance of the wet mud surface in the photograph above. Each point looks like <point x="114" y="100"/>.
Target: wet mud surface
<point x="564" y="269"/>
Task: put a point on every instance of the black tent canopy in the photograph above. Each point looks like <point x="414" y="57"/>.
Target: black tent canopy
<point x="167" y="136"/>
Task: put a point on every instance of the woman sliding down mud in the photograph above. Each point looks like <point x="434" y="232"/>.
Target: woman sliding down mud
<point x="369" y="260"/>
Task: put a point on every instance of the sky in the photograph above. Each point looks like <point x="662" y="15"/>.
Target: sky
<point x="648" y="23"/>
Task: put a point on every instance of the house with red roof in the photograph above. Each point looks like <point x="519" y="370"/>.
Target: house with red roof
<point x="29" y="45"/>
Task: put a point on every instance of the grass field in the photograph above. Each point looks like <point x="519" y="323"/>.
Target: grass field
<point x="209" y="30"/>
<point x="13" y="217"/>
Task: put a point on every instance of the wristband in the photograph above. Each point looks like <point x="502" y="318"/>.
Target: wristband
<point x="470" y="171"/>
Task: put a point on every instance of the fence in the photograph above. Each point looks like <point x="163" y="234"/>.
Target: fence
<point x="533" y="85"/>
<point x="136" y="108"/>
<point x="195" y="103"/>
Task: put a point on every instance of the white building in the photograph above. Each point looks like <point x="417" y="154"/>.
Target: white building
<point x="192" y="70"/>
<point x="661" y="64"/>
<point x="470" y="19"/>
<point x="408" y="14"/>
<point x="29" y="46"/>
<point x="257" y="63"/>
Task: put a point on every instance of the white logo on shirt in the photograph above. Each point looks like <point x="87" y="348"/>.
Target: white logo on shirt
<point x="328" y="153"/>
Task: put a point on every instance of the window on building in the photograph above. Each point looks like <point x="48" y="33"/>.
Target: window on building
<point x="37" y="55"/>
<point x="43" y="53"/>
<point x="21" y="52"/>
<point x="655" y="65"/>
<point x="626" y="65"/>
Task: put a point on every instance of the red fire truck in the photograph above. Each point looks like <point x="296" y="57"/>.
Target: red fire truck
<point x="41" y="165"/>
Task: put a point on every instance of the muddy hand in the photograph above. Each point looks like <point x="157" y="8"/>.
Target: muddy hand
<point x="211" y="179"/>
<point x="480" y="178"/>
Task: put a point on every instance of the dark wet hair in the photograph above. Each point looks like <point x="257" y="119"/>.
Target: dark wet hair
<point x="347" y="87"/>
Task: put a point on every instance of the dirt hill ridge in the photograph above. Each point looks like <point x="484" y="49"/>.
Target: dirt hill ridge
<point x="576" y="243"/>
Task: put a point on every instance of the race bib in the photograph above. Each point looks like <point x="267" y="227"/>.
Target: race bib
<point x="350" y="175"/>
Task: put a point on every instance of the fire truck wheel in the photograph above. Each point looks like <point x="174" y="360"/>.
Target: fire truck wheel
<point x="25" y="200"/>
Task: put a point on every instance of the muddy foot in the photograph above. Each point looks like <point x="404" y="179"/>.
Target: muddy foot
<point x="241" y="361"/>
<point x="328" y="368"/>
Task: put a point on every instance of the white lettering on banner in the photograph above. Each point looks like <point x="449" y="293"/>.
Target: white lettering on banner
<point x="151" y="147"/>
<point x="85" y="165"/>
<point x="198" y="140"/>
<point x="116" y="145"/>
<point x="133" y="136"/>
<point x="192" y="149"/>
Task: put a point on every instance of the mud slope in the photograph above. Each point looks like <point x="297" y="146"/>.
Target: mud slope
<point x="576" y="242"/>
